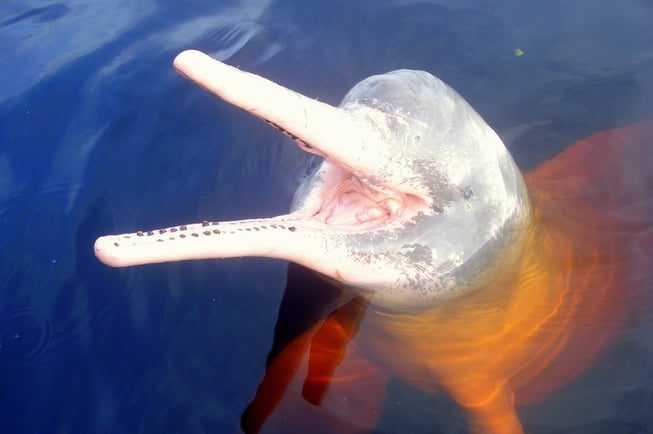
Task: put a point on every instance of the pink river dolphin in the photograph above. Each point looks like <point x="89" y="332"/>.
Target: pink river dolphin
<point x="456" y="273"/>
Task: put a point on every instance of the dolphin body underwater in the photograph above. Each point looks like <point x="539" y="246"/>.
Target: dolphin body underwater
<point x="447" y="269"/>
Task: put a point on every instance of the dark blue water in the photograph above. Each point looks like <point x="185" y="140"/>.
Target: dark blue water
<point x="98" y="135"/>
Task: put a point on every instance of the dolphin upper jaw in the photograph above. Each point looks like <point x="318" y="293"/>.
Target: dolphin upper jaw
<point x="414" y="201"/>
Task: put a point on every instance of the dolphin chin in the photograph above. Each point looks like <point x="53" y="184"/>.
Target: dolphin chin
<point x="415" y="201"/>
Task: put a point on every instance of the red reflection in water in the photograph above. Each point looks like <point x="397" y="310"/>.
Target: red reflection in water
<point x="544" y="319"/>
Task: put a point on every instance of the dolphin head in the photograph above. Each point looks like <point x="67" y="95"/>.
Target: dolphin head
<point x="415" y="199"/>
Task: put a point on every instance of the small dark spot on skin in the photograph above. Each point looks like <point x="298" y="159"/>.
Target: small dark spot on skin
<point x="282" y="226"/>
<point x="139" y="233"/>
<point x="263" y="227"/>
<point x="116" y="244"/>
<point x="256" y="229"/>
<point x="292" y="229"/>
<point x="289" y="134"/>
<point x="304" y="144"/>
<point x="182" y="236"/>
<point x="205" y="223"/>
<point x="150" y="233"/>
<point x="207" y="232"/>
<point x="195" y="234"/>
<point x="214" y="223"/>
<point x="468" y="192"/>
<point x="173" y="229"/>
<point x="215" y="231"/>
<point x="183" y="227"/>
<point x="159" y="240"/>
<point x="162" y="231"/>
<point x="239" y="229"/>
<point x="273" y="226"/>
<point x="171" y="238"/>
<point x="248" y="229"/>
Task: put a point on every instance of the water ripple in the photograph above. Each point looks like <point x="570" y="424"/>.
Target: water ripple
<point x="25" y="338"/>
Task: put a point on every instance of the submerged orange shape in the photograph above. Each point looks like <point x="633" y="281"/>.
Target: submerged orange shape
<point x="544" y="318"/>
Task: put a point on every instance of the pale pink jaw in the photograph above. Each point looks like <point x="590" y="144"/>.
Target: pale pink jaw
<point x="197" y="241"/>
<point x="310" y="243"/>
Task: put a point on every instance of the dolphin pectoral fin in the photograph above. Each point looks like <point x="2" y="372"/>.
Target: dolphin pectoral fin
<point x="328" y="348"/>
<point x="310" y="366"/>
<point x="351" y="401"/>
<point x="276" y="381"/>
<point x="307" y="299"/>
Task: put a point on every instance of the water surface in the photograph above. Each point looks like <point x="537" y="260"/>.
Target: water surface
<point x="98" y="135"/>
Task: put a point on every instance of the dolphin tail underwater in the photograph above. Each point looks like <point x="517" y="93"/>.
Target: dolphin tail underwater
<point x="453" y="273"/>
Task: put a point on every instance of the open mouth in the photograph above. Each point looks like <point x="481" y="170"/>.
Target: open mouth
<point x="336" y="204"/>
<point x="413" y="197"/>
<point x="342" y="201"/>
<point x="348" y="193"/>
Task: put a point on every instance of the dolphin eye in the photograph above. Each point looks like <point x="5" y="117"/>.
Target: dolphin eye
<point x="468" y="192"/>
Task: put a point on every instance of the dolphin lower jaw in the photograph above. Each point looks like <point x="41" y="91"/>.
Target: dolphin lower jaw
<point x="297" y="237"/>
<point x="196" y="241"/>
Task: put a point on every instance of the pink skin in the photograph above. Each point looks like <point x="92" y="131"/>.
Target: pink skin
<point x="377" y="213"/>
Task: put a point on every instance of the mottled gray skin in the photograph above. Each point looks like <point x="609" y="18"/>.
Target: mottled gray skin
<point x="416" y="199"/>
<point x="479" y="206"/>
